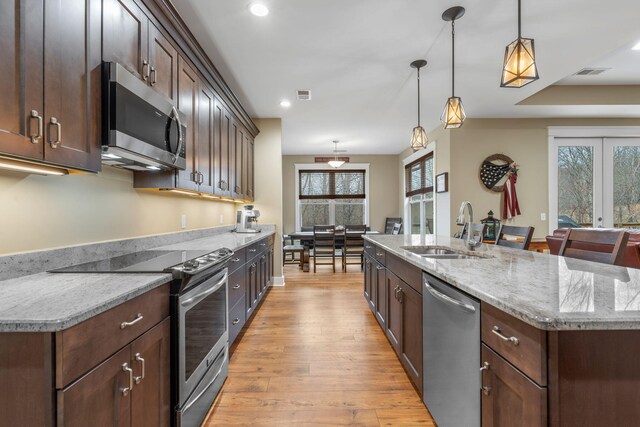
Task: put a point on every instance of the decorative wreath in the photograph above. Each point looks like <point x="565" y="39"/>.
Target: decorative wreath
<point x="494" y="168"/>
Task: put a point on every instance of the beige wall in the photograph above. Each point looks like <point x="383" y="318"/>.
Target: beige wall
<point x="39" y="212"/>
<point x="268" y="180"/>
<point x="383" y="180"/>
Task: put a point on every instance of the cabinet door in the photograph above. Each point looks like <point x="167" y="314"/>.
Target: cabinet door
<point x="125" y="39"/>
<point x="252" y="287"/>
<point x="206" y="130"/>
<point x="150" y="362"/>
<point x="381" y="294"/>
<point x="222" y="138"/>
<point x="72" y="83"/>
<point x="367" y="277"/>
<point x="100" y="398"/>
<point x="188" y="90"/>
<point x="21" y="43"/>
<point x="163" y="64"/>
<point x="263" y="274"/>
<point x="509" y="398"/>
<point x="411" y="341"/>
<point x="394" y="311"/>
<point x="237" y="183"/>
<point x="250" y="175"/>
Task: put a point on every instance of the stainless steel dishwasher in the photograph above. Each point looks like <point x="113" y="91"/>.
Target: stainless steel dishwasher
<point x="451" y="353"/>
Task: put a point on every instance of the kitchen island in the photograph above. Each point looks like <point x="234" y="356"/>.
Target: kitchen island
<point x="558" y="338"/>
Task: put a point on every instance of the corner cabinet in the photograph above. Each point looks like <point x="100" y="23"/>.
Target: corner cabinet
<point x="50" y="61"/>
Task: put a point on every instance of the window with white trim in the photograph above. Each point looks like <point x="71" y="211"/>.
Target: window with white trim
<point x="419" y="195"/>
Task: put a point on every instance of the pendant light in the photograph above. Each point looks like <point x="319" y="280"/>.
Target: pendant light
<point x="419" y="136"/>
<point x="519" y="67"/>
<point x="335" y="163"/>
<point x="453" y="114"/>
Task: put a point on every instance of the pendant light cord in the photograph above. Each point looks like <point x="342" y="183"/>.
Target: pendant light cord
<point x="418" y="96"/>
<point x="453" y="56"/>
<point x="519" y="21"/>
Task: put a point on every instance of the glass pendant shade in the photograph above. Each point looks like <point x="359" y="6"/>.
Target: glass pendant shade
<point x="453" y="115"/>
<point x="519" y="64"/>
<point x="335" y="163"/>
<point x="418" y="138"/>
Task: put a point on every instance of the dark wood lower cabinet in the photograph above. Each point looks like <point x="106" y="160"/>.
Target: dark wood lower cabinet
<point x="381" y="294"/>
<point x="411" y="342"/>
<point x="252" y="286"/>
<point x="368" y="279"/>
<point x="509" y="398"/>
<point x="394" y="312"/>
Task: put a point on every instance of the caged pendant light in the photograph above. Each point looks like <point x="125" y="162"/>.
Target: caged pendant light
<point x="419" y="136"/>
<point x="519" y="67"/>
<point x="453" y="114"/>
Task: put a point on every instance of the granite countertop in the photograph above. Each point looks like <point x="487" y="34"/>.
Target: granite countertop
<point x="546" y="291"/>
<point x="49" y="302"/>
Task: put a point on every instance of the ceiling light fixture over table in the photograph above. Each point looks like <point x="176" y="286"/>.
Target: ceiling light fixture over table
<point x="335" y="163"/>
<point x="258" y="9"/>
<point x="285" y="103"/>
<point x="519" y="67"/>
<point x="419" y="136"/>
<point x="453" y="114"/>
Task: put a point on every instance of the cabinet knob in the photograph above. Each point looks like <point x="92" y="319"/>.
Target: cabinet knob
<point x="34" y="115"/>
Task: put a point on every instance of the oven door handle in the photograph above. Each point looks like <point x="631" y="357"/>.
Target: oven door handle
<point x="188" y="303"/>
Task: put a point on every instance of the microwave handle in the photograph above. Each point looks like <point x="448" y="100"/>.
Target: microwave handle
<point x="176" y="118"/>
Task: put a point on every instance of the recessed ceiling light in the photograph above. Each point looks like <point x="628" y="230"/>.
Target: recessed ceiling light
<point x="636" y="47"/>
<point x="285" y="103"/>
<point x="258" y="9"/>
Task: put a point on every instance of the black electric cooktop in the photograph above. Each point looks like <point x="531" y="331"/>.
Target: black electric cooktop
<point x="137" y="262"/>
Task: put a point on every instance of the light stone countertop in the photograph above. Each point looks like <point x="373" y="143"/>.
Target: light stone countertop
<point x="546" y="291"/>
<point x="49" y="302"/>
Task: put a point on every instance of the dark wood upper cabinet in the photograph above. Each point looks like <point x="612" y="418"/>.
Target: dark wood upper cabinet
<point x="150" y="399"/>
<point x="222" y="138"/>
<point x="163" y="64"/>
<point x="238" y="182"/>
<point x="206" y="140"/>
<point x="21" y="44"/>
<point x="250" y="193"/>
<point x="101" y="398"/>
<point x="188" y="94"/>
<point x="126" y="36"/>
<point x="72" y="83"/>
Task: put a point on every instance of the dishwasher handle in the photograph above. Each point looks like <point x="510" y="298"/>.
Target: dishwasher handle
<point x="446" y="298"/>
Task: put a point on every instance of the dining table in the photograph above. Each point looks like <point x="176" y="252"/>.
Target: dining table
<point x="306" y="240"/>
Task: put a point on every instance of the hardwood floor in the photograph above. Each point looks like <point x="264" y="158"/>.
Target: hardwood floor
<point x="314" y="355"/>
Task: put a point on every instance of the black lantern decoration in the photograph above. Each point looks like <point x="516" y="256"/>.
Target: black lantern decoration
<point x="453" y="114"/>
<point x="419" y="136"/>
<point x="519" y="67"/>
<point x="493" y="226"/>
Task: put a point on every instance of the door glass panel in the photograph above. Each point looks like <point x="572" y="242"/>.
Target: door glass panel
<point x="575" y="186"/>
<point x="626" y="186"/>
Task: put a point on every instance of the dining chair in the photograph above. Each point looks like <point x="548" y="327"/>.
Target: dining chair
<point x="604" y="246"/>
<point x="523" y="236"/>
<point x="289" y="247"/>
<point x="324" y="245"/>
<point x="476" y="229"/>
<point x="353" y="245"/>
<point x="389" y="223"/>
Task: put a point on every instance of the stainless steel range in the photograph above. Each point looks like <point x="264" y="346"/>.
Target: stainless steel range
<point x="199" y="321"/>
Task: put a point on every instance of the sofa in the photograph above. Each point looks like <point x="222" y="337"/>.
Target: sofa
<point x="631" y="256"/>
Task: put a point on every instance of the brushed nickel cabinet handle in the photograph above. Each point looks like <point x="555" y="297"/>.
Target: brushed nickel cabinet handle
<point x="58" y="140"/>
<point x="34" y="115"/>
<point x="379" y="267"/>
<point x="153" y="80"/>
<point x="138" y="318"/>
<point x="125" y="390"/>
<point x="236" y="286"/>
<point x="145" y="70"/>
<point x="142" y="374"/>
<point x="235" y="260"/>
<point x="496" y="331"/>
<point x="236" y="321"/>
<point x="252" y="250"/>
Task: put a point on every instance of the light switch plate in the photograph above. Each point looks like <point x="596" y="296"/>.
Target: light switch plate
<point x="183" y="221"/>
<point x="543" y="216"/>
<point x="221" y="218"/>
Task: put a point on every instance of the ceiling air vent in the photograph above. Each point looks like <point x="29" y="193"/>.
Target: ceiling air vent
<point x="591" y="71"/>
<point x="304" y="95"/>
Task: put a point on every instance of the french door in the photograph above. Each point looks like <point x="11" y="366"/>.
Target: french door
<point x="595" y="182"/>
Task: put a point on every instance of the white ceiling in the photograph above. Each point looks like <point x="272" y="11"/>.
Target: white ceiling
<point x="354" y="56"/>
<point x="623" y="68"/>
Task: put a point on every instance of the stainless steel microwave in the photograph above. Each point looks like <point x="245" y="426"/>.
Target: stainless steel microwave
<point x="141" y="130"/>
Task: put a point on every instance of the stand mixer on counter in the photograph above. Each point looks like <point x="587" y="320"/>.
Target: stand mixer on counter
<point x="247" y="220"/>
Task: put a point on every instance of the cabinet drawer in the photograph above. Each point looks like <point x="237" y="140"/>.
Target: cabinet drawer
<point x="370" y="248"/>
<point x="238" y="260"/>
<point x="237" y="286"/>
<point x="263" y="245"/>
<point x="509" y="398"/>
<point x="409" y="273"/>
<point x="236" y="320"/>
<point x="253" y="251"/>
<point x="83" y="346"/>
<point x="518" y="342"/>
<point x="380" y="255"/>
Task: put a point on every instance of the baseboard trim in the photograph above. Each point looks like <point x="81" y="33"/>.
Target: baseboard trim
<point x="277" y="281"/>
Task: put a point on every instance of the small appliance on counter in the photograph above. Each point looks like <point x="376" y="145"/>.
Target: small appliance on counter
<point x="247" y="220"/>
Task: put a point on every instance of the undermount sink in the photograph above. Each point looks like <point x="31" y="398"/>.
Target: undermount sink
<point x="440" y="252"/>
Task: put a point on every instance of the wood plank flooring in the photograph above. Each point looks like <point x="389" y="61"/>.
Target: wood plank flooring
<point x="314" y="355"/>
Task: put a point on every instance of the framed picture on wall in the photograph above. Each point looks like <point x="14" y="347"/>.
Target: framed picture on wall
<point x="442" y="182"/>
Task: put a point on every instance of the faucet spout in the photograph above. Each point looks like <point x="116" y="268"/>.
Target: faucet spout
<point x="470" y="242"/>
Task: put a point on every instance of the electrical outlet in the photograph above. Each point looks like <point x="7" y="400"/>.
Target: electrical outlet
<point x="221" y="218"/>
<point x="543" y="216"/>
<point x="183" y="221"/>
